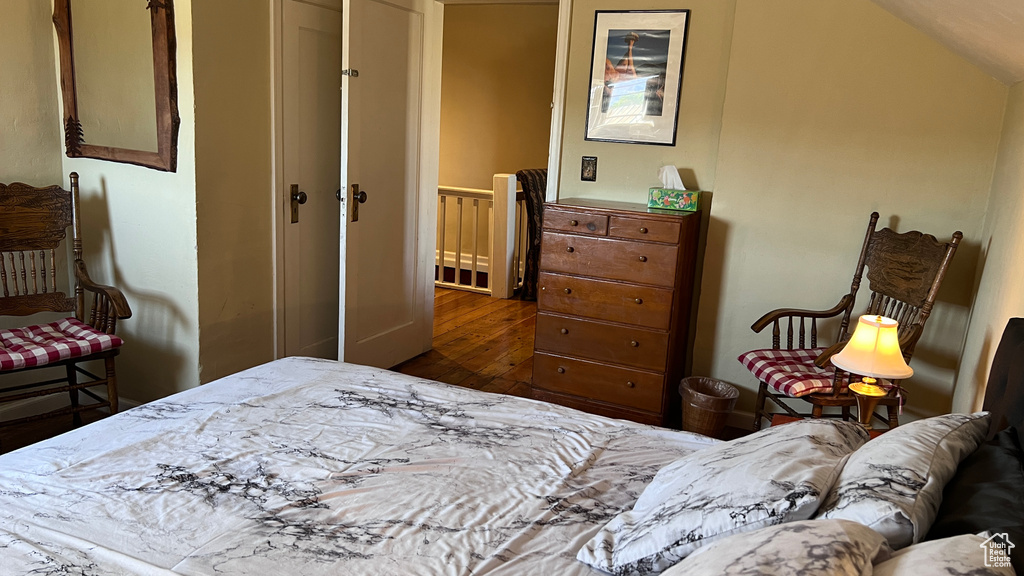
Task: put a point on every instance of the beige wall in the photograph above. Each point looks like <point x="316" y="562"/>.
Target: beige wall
<point x="626" y="171"/>
<point x="140" y="228"/>
<point x="826" y="111"/>
<point x="1000" y="292"/>
<point x="834" y="110"/>
<point x="497" y="68"/>
<point x="231" y="57"/>
<point x="30" y="132"/>
<point x="159" y="235"/>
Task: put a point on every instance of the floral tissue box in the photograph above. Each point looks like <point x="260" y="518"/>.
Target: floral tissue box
<point x="669" y="199"/>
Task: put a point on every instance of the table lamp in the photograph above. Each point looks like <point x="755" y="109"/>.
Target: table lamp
<point x="873" y="352"/>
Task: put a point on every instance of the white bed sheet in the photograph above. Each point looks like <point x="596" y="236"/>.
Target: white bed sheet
<point x="305" y="466"/>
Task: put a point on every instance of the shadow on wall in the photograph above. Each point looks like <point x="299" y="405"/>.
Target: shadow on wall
<point x="937" y="354"/>
<point x="975" y="389"/>
<point x="713" y="252"/>
<point x="150" y="366"/>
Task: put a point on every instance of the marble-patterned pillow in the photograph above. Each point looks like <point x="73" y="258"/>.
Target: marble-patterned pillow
<point x="894" y="483"/>
<point x="806" y="547"/>
<point x="964" y="554"/>
<point x="777" y="475"/>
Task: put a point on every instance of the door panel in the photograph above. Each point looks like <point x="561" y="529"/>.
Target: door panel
<point x="384" y="314"/>
<point x="311" y="65"/>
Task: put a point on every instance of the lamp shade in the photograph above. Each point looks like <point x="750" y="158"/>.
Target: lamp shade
<point x="874" y="350"/>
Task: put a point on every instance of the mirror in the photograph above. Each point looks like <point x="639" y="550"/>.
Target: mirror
<point x="118" y="80"/>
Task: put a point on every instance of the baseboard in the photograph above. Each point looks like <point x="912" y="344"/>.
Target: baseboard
<point x="42" y="404"/>
<point x="740" y="419"/>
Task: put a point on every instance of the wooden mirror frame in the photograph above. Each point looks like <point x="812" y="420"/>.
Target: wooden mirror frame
<point x="165" y="84"/>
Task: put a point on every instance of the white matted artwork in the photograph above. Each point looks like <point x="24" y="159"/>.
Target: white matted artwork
<point x="636" y="75"/>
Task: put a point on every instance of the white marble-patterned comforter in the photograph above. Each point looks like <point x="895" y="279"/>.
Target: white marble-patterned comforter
<point x="305" y="466"/>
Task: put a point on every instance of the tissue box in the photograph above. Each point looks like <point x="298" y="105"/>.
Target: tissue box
<point x="669" y="199"/>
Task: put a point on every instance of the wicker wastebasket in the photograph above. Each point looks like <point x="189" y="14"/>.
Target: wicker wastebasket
<point x="706" y="404"/>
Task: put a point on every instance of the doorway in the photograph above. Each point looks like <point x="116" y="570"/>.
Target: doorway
<point x="282" y="195"/>
<point x="498" y="62"/>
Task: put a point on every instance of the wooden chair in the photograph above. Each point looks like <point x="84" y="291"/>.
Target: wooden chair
<point x="904" y="273"/>
<point x="535" y="183"/>
<point x="33" y="227"/>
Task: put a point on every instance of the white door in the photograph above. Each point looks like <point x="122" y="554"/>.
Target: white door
<point x="391" y="106"/>
<point x="311" y="104"/>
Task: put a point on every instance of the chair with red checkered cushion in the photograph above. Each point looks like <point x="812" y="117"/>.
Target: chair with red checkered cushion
<point x="904" y="272"/>
<point x="35" y="271"/>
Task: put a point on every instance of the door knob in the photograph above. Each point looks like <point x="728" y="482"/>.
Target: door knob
<point x="298" y="197"/>
<point x="358" y="197"/>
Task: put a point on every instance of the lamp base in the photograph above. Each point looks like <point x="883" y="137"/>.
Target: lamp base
<point x="867" y="393"/>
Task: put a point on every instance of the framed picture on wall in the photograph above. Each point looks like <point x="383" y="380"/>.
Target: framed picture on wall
<point x="636" y="73"/>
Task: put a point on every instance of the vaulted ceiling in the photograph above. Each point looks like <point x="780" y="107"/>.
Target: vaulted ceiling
<point x="988" y="33"/>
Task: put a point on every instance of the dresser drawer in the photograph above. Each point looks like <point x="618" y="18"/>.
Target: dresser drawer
<point x="596" y="381"/>
<point x="604" y="300"/>
<point x="627" y="260"/>
<point x="625" y="345"/>
<point x="576" y="221"/>
<point x="644" y="229"/>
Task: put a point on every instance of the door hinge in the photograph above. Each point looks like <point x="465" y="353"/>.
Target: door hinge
<point x="350" y="72"/>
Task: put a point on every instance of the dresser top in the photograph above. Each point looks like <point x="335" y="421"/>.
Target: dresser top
<point x="615" y="206"/>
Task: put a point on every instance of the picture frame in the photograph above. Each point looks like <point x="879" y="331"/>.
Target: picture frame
<point x="636" y="74"/>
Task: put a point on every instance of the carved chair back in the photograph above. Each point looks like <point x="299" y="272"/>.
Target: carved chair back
<point x="33" y="230"/>
<point x="904" y="273"/>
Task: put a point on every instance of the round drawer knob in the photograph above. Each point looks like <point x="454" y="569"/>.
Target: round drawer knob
<point x="639" y="300"/>
<point x="630" y="385"/>
<point x="561" y="370"/>
<point x="570" y="249"/>
<point x="634" y="343"/>
<point x="568" y="290"/>
<point x="643" y="258"/>
<point x="573" y="223"/>
<point x="564" y="330"/>
<point x="643" y="230"/>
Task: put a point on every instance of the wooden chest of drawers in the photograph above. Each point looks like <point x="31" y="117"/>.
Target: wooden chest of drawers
<point x="614" y="304"/>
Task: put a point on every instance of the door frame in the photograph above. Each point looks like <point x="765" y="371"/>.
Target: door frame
<point x="277" y="187"/>
<point x="433" y="40"/>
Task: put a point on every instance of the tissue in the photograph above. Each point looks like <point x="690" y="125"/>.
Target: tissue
<point x="670" y="180"/>
<point x="672" y="195"/>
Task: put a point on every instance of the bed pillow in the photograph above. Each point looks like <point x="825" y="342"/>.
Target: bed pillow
<point x="894" y="483"/>
<point x="777" y="475"/>
<point x="807" y="547"/>
<point x="964" y="554"/>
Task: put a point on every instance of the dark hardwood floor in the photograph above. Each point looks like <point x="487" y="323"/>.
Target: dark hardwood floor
<point x="479" y="342"/>
<point x="14" y="437"/>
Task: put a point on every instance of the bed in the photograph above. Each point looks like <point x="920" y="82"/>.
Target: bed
<point x="305" y="466"/>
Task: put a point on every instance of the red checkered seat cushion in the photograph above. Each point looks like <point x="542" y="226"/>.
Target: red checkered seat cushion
<point x="47" y="343"/>
<point x="790" y="372"/>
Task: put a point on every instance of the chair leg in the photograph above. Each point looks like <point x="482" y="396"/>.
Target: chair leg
<point x="894" y="416"/>
<point x="846" y="413"/>
<point x="111" y="384"/>
<point x="72" y="377"/>
<point x="816" y="410"/>
<point x="759" y="406"/>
